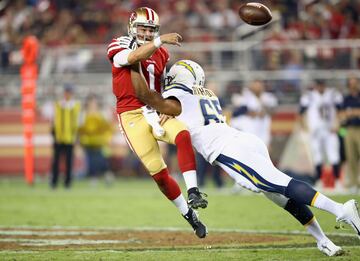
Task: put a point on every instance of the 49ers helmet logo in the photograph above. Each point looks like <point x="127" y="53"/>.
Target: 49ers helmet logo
<point x="133" y="17"/>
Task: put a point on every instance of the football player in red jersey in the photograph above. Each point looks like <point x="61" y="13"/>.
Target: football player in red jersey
<point x="142" y="48"/>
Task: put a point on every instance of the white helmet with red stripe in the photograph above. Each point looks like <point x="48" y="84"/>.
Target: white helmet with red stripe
<point x="146" y="17"/>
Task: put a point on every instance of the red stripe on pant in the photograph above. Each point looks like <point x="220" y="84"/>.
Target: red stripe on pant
<point x="167" y="184"/>
<point x="185" y="152"/>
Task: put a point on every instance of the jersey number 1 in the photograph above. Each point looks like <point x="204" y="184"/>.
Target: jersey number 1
<point x="151" y="70"/>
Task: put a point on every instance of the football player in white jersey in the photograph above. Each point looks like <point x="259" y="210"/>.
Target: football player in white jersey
<point x="253" y="111"/>
<point x="318" y="109"/>
<point x="242" y="155"/>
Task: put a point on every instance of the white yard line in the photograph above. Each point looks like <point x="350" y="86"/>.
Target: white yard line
<point x="17" y="252"/>
<point x="47" y="233"/>
<point x="17" y="230"/>
<point x="64" y="242"/>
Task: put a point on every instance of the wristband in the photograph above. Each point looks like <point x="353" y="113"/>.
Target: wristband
<point x="157" y="42"/>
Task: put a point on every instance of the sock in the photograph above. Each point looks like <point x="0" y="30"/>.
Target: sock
<point x="181" y="204"/>
<point x="323" y="202"/>
<point x="304" y="215"/>
<point x="167" y="184"/>
<point x="318" y="169"/>
<point x="190" y="179"/>
<point x="300" y="211"/>
<point x="185" y="152"/>
<point x="304" y="194"/>
<point x="315" y="230"/>
<point x="336" y="171"/>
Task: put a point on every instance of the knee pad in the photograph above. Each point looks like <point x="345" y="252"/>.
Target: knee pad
<point x="300" y="211"/>
<point x="154" y="165"/>
<point x="300" y="192"/>
<point x="153" y="161"/>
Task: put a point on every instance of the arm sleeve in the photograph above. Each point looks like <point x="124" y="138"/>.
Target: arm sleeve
<point x="240" y="111"/>
<point x="121" y="58"/>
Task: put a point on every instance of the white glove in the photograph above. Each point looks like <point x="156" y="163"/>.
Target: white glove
<point x="153" y="119"/>
<point x="127" y="42"/>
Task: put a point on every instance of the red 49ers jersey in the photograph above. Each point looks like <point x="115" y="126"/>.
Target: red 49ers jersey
<point x="152" y="68"/>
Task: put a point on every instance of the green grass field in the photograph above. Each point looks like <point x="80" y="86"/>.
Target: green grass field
<point x="138" y="205"/>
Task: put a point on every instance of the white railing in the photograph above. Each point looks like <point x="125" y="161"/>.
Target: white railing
<point x="292" y="64"/>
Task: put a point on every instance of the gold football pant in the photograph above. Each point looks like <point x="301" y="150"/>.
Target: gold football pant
<point x="143" y="142"/>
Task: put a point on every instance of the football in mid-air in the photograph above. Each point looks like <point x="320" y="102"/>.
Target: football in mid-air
<point x="255" y="14"/>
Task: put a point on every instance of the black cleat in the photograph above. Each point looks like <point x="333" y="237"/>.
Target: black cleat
<point x="199" y="228"/>
<point x="196" y="199"/>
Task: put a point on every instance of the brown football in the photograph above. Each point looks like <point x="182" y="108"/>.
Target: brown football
<point x="255" y="14"/>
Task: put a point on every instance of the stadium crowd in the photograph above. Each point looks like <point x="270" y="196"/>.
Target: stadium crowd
<point x="57" y="22"/>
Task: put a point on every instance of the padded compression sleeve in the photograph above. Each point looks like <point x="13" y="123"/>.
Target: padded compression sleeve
<point x="299" y="191"/>
<point x="121" y="58"/>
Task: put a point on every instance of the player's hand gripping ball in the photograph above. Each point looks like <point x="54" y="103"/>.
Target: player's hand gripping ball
<point x="255" y="14"/>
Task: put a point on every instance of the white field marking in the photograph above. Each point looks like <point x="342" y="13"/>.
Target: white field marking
<point x="226" y="249"/>
<point x="19" y="251"/>
<point x="106" y="229"/>
<point x="64" y="242"/>
<point x="48" y="233"/>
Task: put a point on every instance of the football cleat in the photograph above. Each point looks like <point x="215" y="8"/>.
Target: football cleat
<point x="351" y="216"/>
<point x="199" y="228"/>
<point x="329" y="248"/>
<point x="196" y="199"/>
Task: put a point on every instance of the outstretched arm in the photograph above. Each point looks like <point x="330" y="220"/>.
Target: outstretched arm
<point x="152" y="98"/>
<point x="146" y="50"/>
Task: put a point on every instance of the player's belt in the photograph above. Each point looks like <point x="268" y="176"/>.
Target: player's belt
<point x="136" y="111"/>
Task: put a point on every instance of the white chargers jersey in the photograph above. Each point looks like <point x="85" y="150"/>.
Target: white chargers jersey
<point x="202" y="114"/>
<point x="320" y="108"/>
<point x="260" y="126"/>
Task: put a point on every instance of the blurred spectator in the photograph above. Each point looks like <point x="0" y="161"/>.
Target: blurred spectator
<point x="95" y="133"/>
<point x="253" y="109"/>
<point x="67" y="22"/>
<point x="318" y="109"/>
<point x="350" y="116"/>
<point x="293" y="69"/>
<point x="222" y="19"/>
<point x="65" y="128"/>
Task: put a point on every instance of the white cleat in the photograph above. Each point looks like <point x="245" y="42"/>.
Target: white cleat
<point x="351" y="216"/>
<point x="329" y="248"/>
